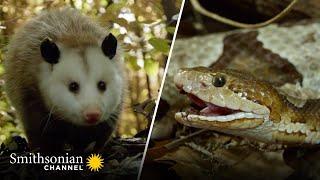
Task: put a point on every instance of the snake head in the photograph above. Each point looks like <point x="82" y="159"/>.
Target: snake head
<point x="225" y="99"/>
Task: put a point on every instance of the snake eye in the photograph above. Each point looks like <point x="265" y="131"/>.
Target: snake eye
<point x="219" y="81"/>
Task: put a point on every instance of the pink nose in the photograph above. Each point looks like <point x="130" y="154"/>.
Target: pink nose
<point x="92" y="116"/>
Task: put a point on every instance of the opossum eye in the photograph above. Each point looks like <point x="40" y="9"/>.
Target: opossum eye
<point x="102" y="86"/>
<point x="109" y="46"/>
<point x="74" y="87"/>
<point x="50" y="51"/>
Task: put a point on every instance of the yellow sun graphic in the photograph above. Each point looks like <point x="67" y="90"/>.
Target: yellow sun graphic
<point x="95" y="162"/>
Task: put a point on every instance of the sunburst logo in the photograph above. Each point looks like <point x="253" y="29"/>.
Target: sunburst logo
<point x="95" y="162"/>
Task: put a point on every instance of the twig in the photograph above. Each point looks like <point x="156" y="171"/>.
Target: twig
<point x="197" y="6"/>
<point x="200" y="149"/>
<point x="177" y="142"/>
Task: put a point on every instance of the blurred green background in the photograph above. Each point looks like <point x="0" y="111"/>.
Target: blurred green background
<point x="145" y="28"/>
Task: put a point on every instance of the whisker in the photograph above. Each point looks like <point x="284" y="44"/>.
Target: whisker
<point x="112" y="120"/>
<point x="102" y="115"/>
<point x="47" y="121"/>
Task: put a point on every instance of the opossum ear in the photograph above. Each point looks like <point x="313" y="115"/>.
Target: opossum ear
<point x="49" y="51"/>
<point x="109" y="46"/>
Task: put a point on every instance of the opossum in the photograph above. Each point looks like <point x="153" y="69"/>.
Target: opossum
<point x="64" y="75"/>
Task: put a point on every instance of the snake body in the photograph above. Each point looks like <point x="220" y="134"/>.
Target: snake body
<point x="270" y="97"/>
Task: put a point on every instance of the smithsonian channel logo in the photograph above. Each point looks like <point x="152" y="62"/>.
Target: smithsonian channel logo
<point x="93" y="162"/>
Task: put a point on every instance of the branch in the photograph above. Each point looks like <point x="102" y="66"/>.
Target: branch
<point x="197" y="6"/>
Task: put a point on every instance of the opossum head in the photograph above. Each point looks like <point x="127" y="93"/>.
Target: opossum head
<point x="82" y="85"/>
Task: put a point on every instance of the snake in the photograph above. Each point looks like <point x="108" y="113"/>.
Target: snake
<point x="260" y="84"/>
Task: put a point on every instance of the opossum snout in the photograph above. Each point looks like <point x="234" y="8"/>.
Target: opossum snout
<point x="92" y="115"/>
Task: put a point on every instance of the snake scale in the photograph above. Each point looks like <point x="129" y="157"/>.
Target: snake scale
<point x="270" y="96"/>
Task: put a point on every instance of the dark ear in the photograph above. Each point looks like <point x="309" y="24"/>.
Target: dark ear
<point x="109" y="46"/>
<point x="49" y="51"/>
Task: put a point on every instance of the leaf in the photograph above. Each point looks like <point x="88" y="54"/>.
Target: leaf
<point x="132" y="62"/>
<point x="1" y="69"/>
<point x="171" y="29"/>
<point x="175" y="17"/>
<point x="115" y="32"/>
<point x="115" y="7"/>
<point x="112" y="13"/>
<point x="151" y="67"/>
<point x="122" y="22"/>
<point x="161" y="45"/>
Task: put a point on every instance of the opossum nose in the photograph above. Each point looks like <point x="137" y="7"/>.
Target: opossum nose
<point x="92" y="116"/>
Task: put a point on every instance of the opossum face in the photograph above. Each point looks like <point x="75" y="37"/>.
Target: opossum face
<point x="85" y="85"/>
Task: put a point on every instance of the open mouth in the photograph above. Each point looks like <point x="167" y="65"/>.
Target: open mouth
<point x="203" y="110"/>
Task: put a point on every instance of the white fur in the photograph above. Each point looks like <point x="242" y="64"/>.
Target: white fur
<point x="69" y="106"/>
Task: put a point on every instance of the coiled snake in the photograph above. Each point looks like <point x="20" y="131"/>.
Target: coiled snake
<point x="270" y="97"/>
